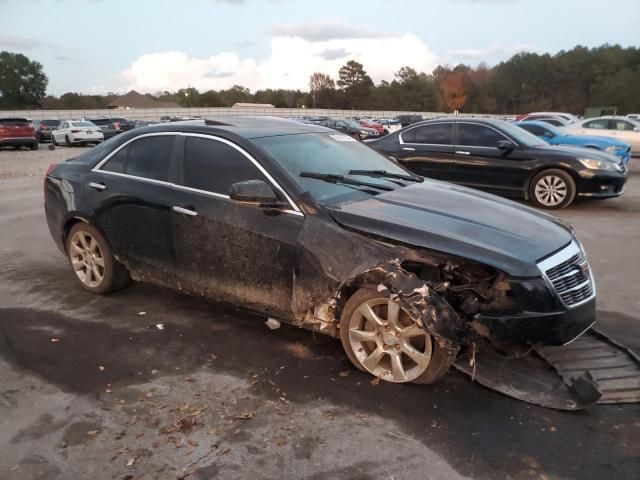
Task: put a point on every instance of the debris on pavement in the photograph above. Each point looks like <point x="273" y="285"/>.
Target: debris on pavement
<point x="272" y="323"/>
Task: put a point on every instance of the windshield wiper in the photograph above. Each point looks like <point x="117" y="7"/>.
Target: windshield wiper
<point x="333" y="178"/>
<point x="385" y="174"/>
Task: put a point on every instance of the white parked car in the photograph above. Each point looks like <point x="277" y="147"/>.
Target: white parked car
<point x="74" y="132"/>
<point x="633" y="116"/>
<point x="621" y="128"/>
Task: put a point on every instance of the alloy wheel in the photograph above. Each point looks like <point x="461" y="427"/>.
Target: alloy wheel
<point x="551" y="190"/>
<point x="387" y="343"/>
<point x="87" y="259"/>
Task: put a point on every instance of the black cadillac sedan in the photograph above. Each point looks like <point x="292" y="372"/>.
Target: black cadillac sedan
<point x="499" y="157"/>
<point x="308" y="226"/>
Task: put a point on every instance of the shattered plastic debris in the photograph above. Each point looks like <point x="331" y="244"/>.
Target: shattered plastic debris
<point x="272" y="323"/>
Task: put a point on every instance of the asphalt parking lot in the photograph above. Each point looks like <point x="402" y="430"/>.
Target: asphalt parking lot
<point x="147" y="383"/>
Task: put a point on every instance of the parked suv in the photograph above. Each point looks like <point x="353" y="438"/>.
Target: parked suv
<point x="500" y="157"/>
<point x="44" y="128"/>
<point x="108" y="128"/>
<point x="308" y="226"/>
<point x="17" y="132"/>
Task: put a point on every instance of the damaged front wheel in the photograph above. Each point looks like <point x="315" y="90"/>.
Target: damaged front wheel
<point x="379" y="337"/>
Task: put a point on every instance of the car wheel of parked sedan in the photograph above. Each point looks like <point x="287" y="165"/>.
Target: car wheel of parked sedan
<point x="356" y="136"/>
<point x="552" y="189"/>
<point x="379" y="337"/>
<point x="92" y="261"/>
<point x="34" y="146"/>
<point x="67" y="140"/>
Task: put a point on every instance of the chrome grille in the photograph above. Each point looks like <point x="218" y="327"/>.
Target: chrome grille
<point x="569" y="273"/>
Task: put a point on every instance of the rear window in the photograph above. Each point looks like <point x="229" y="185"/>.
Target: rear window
<point x="14" y="122"/>
<point x="81" y="124"/>
<point x="50" y="123"/>
<point x="100" y="121"/>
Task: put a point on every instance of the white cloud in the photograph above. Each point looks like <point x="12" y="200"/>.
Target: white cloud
<point x="322" y="31"/>
<point x="491" y="52"/>
<point x="290" y="63"/>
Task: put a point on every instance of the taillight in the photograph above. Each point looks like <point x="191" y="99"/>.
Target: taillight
<point x="44" y="127"/>
<point x="76" y="131"/>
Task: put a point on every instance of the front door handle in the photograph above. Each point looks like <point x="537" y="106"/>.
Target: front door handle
<point x="98" y="186"/>
<point x="184" y="211"/>
<point x="462" y="152"/>
<point x="409" y="149"/>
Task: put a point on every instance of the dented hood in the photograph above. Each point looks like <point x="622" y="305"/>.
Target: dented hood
<point x="459" y="221"/>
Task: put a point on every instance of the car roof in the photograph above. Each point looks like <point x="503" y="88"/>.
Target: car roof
<point x="244" y="126"/>
<point x="483" y="120"/>
<point x="538" y="123"/>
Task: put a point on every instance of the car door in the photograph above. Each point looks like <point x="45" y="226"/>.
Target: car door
<point x="625" y="131"/>
<point x="132" y="194"/>
<point x="597" y="126"/>
<point x="479" y="163"/>
<point x="241" y="254"/>
<point x="427" y="150"/>
<point x="62" y="131"/>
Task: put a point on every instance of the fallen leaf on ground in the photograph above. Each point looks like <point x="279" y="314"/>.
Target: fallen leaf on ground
<point x="92" y="432"/>
<point x="160" y="326"/>
<point x="55" y="340"/>
<point x="142" y="313"/>
<point x="344" y="374"/>
<point x="130" y="461"/>
<point x="245" y="416"/>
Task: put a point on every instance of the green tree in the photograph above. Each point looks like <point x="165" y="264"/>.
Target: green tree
<point x="23" y="82"/>
<point x="322" y="90"/>
<point x="355" y="84"/>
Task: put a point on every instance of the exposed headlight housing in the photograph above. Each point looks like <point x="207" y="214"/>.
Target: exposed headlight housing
<point x="597" y="164"/>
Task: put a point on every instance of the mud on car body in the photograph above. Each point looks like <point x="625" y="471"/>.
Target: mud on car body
<point x="306" y="225"/>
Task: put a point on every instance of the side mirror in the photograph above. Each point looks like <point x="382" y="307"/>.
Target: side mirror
<point x="505" y="146"/>
<point x="254" y="192"/>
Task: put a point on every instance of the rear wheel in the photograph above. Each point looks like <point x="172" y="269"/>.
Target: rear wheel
<point x="92" y="261"/>
<point x="34" y="146"/>
<point x="552" y="189"/>
<point x="379" y="337"/>
<point x="67" y="140"/>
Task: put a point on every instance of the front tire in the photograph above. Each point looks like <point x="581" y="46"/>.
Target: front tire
<point x="379" y="337"/>
<point x="552" y="189"/>
<point x="67" y="141"/>
<point x="90" y="256"/>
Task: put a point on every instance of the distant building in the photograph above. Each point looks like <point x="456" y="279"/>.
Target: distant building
<point x="134" y="99"/>
<point x="252" y="105"/>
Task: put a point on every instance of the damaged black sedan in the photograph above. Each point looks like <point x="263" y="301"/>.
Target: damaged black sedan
<point x="308" y="226"/>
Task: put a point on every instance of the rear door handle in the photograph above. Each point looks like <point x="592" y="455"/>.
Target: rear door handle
<point x="184" y="211"/>
<point x="462" y="152"/>
<point x="409" y="149"/>
<point x="98" y="186"/>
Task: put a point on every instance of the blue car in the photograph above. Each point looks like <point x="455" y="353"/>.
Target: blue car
<point x="556" y="136"/>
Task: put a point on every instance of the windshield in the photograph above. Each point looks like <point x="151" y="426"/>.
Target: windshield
<point x="521" y="136"/>
<point x="335" y="154"/>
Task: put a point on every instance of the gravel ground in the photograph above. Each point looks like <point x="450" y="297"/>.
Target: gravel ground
<point x="28" y="163"/>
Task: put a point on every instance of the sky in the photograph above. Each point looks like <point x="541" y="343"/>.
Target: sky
<point x="99" y="46"/>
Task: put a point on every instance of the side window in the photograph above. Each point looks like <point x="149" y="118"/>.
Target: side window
<point x="148" y="157"/>
<point x="116" y="163"/>
<point x="601" y="124"/>
<point x="535" y="129"/>
<point x="214" y="166"/>
<point x="478" y="136"/>
<point x="435" y="134"/>
<point x="622" y="125"/>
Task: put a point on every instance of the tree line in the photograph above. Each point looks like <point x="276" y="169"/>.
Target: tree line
<point x="606" y="76"/>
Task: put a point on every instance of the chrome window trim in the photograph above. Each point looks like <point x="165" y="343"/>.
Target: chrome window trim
<point x="560" y="257"/>
<point x="402" y="142"/>
<point x="294" y="208"/>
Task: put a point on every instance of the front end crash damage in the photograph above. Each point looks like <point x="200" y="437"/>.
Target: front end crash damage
<point x="441" y="294"/>
<point x="448" y="297"/>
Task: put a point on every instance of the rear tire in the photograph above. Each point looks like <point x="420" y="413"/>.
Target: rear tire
<point x="67" y="141"/>
<point x="552" y="189"/>
<point x="91" y="258"/>
<point x="34" y="146"/>
<point x="389" y="345"/>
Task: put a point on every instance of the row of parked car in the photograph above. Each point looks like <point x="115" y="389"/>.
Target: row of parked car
<point x="19" y="131"/>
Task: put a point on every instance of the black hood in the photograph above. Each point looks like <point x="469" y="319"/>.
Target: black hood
<point x="576" y="151"/>
<point x="461" y="222"/>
